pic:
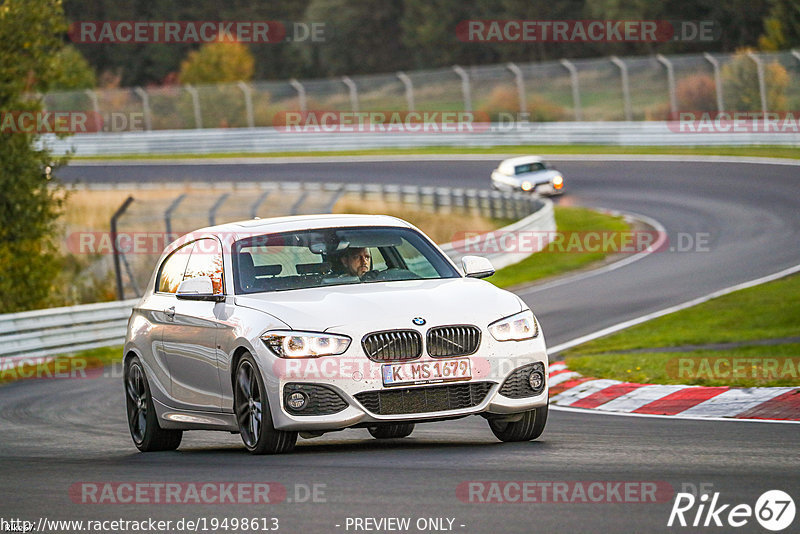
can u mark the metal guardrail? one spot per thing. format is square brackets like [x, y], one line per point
[37, 336]
[43, 333]
[271, 140]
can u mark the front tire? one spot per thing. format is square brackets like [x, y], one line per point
[528, 428]
[253, 414]
[147, 435]
[400, 430]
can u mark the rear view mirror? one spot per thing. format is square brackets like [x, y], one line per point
[199, 288]
[476, 267]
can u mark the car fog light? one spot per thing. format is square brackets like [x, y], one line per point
[297, 400]
[536, 380]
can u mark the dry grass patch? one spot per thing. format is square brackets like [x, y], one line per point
[442, 228]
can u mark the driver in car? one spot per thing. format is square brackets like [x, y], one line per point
[357, 261]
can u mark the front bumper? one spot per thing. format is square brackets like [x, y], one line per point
[359, 382]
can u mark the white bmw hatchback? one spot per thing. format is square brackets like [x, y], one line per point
[305, 325]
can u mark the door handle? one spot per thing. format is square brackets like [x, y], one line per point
[170, 312]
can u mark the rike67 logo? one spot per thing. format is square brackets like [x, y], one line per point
[774, 510]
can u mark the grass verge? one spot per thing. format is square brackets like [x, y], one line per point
[757, 313]
[551, 261]
[767, 151]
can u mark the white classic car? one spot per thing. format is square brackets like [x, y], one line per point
[529, 174]
[311, 324]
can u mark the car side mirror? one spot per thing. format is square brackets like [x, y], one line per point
[476, 267]
[199, 288]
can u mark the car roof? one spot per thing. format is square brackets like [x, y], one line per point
[520, 160]
[240, 229]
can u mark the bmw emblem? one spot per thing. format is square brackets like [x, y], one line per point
[419, 321]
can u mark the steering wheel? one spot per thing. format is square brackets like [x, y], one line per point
[371, 276]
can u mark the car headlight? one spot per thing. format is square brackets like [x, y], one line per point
[526, 186]
[519, 326]
[305, 344]
[558, 182]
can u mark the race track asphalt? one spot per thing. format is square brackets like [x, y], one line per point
[56, 433]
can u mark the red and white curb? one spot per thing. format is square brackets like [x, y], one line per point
[570, 389]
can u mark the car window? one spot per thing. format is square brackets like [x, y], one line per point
[171, 273]
[206, 260]
[529, 167]
[313, 258]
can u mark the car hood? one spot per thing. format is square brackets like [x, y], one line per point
[375, 306]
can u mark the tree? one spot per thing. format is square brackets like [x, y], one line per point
[72, 70]
[30, 41]
[782, 26]
[740, 80]
[217, 62]
[361, 36]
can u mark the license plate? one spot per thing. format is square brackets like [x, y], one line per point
[398, 374]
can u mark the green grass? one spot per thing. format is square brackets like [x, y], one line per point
[748, 151]
[768, 311]
[698, 367]
[552, 262]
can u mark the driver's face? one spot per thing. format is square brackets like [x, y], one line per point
[357, 261]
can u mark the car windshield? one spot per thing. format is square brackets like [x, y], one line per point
[529, 167]
[334, 256]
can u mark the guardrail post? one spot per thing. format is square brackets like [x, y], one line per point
[248, 103]
[576, 90]
[351, 86]
[198, 115]
[168, 215]
[98, 121]
[626, 90]
[141, 93]
[520, 81]
[409, 89]
[465, 87]
[337, 194]
[762, 86]
[299, 203]
[437, 201]
[117, 267]
[452, 200]
[673, 98]
[301, 94]
[212, 213]
[257, 204]
[717, 80]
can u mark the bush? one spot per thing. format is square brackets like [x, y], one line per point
[697, 93]
[504, 99]
[216, 63]
[740, 82]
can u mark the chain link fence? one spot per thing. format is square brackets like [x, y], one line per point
[643, 88]
[142, 228]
